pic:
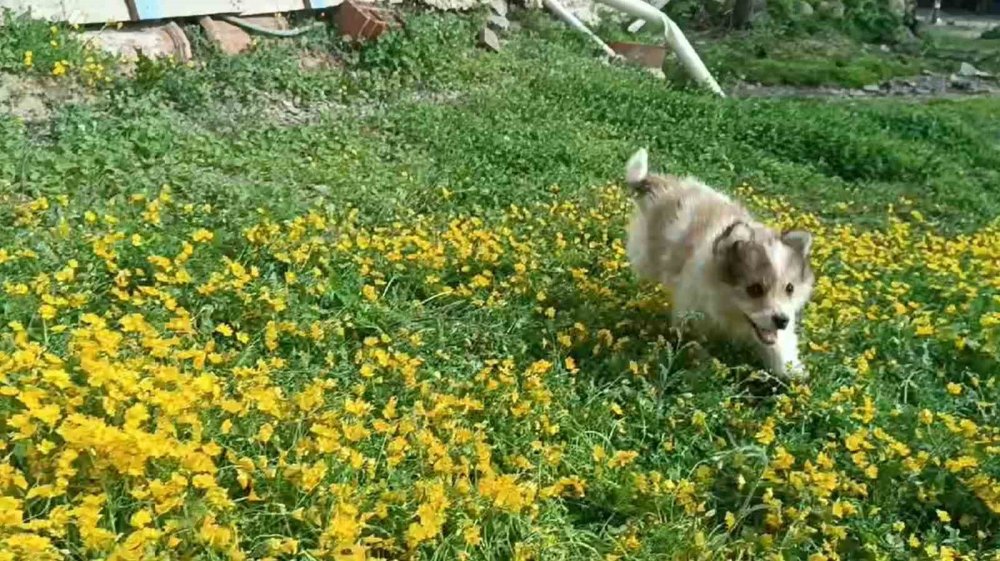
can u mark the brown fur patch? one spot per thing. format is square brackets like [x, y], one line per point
[746, 263]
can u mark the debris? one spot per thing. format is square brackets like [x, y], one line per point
[153, 41]
[499, 7]
[362, 22]
[636, 25]
[489, 40]
[271, 27]
[555, 7]
[674, 38]
[276, 22]
[647, 56]
[970, 71]
[500, 23]
[230, 39]
[961, 82]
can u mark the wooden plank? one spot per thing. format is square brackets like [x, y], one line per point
[162, 9]
[105, 11]
[252, 7]
[321, 4]
[72, 11]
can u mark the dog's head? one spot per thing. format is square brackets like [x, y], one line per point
[765, 275]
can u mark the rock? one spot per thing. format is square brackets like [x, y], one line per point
[884, 48]
[833, 9]
[804, 9]
[500, 23]
[153, 41]
[657, 73]
[488, 39]
[499, 7]
[970, 71]
[898, 8]
[871, 88]
[32, 99]
[961, 83]
[585, 10]
[317, 60]
[227, 37]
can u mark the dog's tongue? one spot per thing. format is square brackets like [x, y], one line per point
[767, 336]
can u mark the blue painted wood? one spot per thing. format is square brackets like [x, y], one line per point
[151, 9]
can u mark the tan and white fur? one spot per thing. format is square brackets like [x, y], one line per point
[739, 278]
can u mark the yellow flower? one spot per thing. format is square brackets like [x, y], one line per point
[29, 59]
[954, 389]
[369, 292]
[60, 68]
[766, 433]
[472, 535]
[48, 312]
[943, 516]
[622, 458]
[202, 235]
[926, 417]
[265, 433]
[141, 518]
[599, 454]
[570, 365]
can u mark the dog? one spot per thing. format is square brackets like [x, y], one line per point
[740, 279]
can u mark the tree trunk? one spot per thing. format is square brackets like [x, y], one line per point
[742, 10]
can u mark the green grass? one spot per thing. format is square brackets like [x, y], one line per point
[386, 235]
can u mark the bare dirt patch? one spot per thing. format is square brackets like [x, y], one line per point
[33, 99]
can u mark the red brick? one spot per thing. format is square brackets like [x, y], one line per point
[649, 56]
[361, 22]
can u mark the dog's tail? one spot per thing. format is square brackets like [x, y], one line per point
[637, 171]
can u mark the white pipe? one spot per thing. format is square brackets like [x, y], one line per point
[578, 25]
[673, 36]
[636, 25]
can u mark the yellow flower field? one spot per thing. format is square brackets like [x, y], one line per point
[437, 387]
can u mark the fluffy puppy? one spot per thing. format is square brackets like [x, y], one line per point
[740, 279]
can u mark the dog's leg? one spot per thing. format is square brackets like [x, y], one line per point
[782, 358]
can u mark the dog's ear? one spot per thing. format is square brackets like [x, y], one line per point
[729, 239]
[799, 240]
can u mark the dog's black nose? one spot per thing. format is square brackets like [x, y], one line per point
[780, 320]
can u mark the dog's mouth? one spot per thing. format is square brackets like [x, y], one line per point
[766, 336]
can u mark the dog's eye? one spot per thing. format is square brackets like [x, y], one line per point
[789, 289]
[755, 290]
